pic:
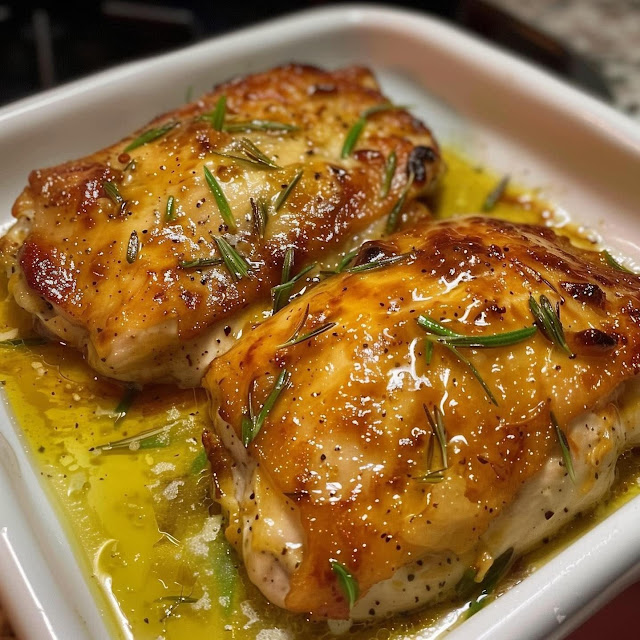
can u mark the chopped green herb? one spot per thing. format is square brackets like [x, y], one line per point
[125, 404]
[487, 342]
[281, 293]
[287, 191]
[394, 215]
[432, 477]
[219, 113]
[346, 580]
[612, 262]
[221, 200]
[150, 439]
[496, 193]
[199, 463]
[251, 426]
[259, 125]
[356, 130]
[179, 599]
[170, 213]
[22, 342]
[548, 321]
[389, 172]
[260, 214]
[238, 267]
[436, 422]
[133, 247]
[188, 94]
[296, 338]
[198, 263]
[428, 350]
[467, 586]
[149, 136]
[255, 154]
[342, 265]
[564, 446]
[453, 341]
[352, 137]
[378, 264]
[111, 189]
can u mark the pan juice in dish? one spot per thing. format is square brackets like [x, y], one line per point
[128, 473]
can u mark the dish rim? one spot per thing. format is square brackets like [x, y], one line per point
[543, 597]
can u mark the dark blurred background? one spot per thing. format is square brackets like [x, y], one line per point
[44, 42]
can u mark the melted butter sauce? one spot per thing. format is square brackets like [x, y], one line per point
[146, 531]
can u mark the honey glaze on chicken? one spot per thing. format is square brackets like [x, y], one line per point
[121, 253]
[351, 431]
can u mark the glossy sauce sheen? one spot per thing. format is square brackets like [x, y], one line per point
[347, 442]
[140, 520]
[75, 254]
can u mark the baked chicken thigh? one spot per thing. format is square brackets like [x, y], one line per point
[150, 255]
[456, 395]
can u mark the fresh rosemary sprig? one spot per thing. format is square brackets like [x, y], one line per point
[496, 193]
[548, 320]
[378, 264]
[133, 247]
[22, 342]
[346, 580]
[287, 191]
[149, 136]
[238, 267]
[112, 191]
[354, 133]
[260, 214]
[281, 293]
[612, 262]
[564, 446]
[296, 338]
[252, 424]
[151, 439]
[221, 200]
[170, 213]
[198, 263]
[453, 341]
[394, 215]
[259, 125]
[389, 172]
[126, 401]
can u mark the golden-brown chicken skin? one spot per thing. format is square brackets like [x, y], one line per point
[105, 269]
[345, 465]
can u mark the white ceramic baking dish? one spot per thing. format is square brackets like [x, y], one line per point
[499, 110]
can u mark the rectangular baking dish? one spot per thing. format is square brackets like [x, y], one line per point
[498, 110]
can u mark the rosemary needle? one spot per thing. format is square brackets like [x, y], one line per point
[564, 446]
[170, 213]
[548, 320]
[221, 200]
[238, 267]
[394, 214]
[252, 425]
[112, 191]
[287, 191]
[346, 580]
[496, 193]
[149, 136]
[389, 172]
